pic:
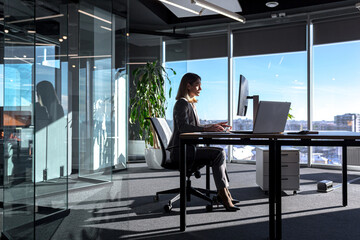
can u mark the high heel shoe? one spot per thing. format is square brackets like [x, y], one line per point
[225, 200]
[233, 200]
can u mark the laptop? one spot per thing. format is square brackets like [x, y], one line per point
[270, 118]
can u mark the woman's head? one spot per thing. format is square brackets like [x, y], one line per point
[190, 86]
[48, 98]
[46, 93]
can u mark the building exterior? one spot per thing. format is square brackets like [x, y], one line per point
[348, 121]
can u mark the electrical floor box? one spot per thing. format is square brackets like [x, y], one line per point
[290, 168]
[325, 186]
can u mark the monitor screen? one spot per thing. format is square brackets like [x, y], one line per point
[243, 94]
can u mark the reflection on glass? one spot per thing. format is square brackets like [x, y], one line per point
[96, 86]
[18, 137]
[35, 126]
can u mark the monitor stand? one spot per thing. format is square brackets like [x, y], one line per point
[255, 99]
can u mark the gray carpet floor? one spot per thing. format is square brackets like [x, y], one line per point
[124, 209]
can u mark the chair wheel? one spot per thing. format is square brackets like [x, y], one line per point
[167, 208]
[209, 208]
[156, 198]
[295, 192]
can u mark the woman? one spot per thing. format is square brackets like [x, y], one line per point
[47, 98]
[186, 120]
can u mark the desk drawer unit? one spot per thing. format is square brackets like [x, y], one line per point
[290, 176]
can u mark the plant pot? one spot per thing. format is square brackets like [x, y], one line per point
[153, 158]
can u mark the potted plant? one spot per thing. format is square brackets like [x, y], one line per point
[149, 101]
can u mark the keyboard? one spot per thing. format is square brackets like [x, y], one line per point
[241, 131]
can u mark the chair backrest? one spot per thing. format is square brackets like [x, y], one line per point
[164, 133]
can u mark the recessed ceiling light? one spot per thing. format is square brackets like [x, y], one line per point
[272, 4]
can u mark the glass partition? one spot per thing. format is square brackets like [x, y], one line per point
[18, 120]
[96, 88]
[34, 117]
[51, 113]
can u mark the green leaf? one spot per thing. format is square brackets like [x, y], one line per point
[150, 99]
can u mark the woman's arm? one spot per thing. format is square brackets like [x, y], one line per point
[182, 118]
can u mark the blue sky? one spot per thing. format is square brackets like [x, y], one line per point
[280, 77]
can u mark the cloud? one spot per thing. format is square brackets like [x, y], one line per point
[297, 82]
[298, 87]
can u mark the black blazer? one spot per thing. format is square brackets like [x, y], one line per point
[184, 121]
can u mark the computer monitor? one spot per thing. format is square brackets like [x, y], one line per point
[243, 96]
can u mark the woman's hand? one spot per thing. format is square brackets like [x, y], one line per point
[225, 126]
[214, 128]
[218, 127]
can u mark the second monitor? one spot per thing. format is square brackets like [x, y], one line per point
[243, 98]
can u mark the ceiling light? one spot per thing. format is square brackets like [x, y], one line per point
[179, 6]
[220, 10]
[65, 37]
[38, 18]
[6, 31]
[272, 4]
[93, 16]
[97, 56]
[106, 28]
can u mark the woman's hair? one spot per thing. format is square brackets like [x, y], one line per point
[183, 91]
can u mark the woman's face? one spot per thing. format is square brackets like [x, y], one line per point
[194, 89]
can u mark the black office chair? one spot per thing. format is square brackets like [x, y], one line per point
[163, 132]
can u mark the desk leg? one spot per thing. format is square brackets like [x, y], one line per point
[208, 180]
[272, 190]
[182, 186]
[278, 191]
[344, 175]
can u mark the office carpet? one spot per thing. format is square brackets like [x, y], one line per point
[125, 209]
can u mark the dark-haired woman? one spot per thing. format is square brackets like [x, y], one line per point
[186, 120]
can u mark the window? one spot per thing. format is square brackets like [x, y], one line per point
[274, 77]
[336, 84]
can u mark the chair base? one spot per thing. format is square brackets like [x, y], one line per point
[198, 192]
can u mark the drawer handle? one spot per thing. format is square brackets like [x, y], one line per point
[284, 179]
[284, 165]
[284, 154]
